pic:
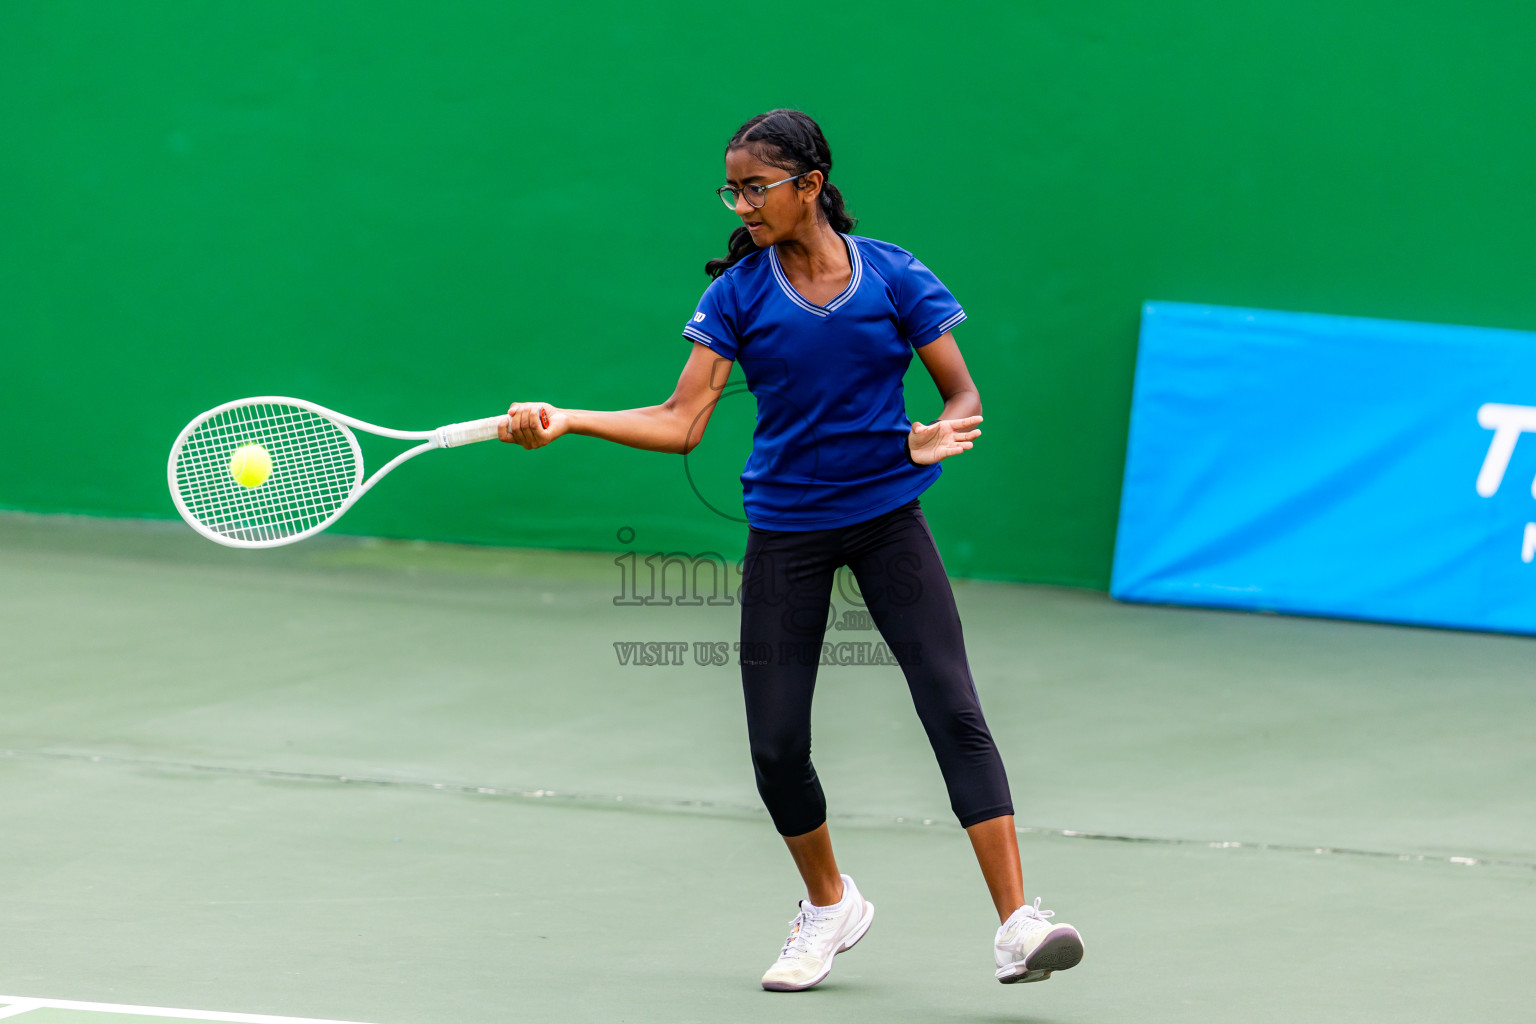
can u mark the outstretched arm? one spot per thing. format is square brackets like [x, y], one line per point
[954, 431]
[676, 425]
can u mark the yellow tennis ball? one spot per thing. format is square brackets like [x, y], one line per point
[250, 465]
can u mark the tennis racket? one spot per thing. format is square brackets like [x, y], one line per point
[313, 467]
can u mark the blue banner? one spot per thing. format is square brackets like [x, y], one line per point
[1329, 465]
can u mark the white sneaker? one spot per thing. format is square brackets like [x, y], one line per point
[1029, 947]
[817, 934]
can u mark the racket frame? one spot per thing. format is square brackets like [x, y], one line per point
[451, 435]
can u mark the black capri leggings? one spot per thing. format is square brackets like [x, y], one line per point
[786, 594]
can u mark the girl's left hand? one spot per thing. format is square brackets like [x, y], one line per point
[941, 439]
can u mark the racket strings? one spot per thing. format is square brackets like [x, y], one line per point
[314, 468]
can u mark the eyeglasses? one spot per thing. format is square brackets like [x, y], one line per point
[756, 195]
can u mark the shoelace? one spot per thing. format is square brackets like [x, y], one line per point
[1035, 911]
[802, 927]
[1031, 911]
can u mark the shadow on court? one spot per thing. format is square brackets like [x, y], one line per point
[408, 783]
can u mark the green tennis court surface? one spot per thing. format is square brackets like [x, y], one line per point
[400, 783]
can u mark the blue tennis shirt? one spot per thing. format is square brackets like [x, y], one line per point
[830, 445]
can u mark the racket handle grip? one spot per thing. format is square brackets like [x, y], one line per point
[455, 434]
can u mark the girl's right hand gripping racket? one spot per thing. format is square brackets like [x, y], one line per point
[262, 472]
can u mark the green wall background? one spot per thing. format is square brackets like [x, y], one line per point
[417, 212]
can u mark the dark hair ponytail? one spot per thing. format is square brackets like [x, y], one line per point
[792, 140]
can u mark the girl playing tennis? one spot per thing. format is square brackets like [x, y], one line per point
[823, 324]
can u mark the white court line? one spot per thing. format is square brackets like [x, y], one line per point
[24, 1004]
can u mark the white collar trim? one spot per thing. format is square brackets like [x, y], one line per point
[856, 273]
